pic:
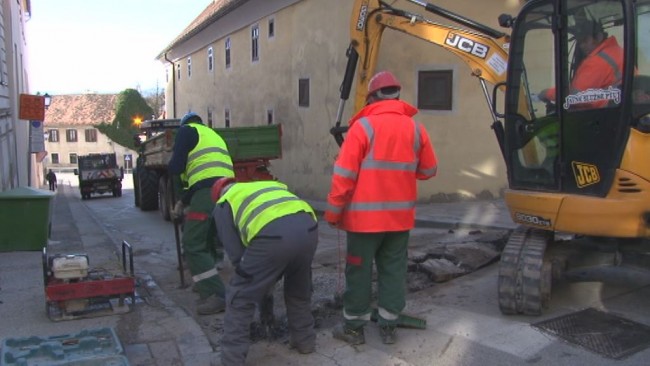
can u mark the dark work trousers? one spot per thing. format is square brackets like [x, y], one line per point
[283, 248]
[199, 242]
[390, 255]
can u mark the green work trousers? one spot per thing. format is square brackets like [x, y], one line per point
[200, 245]
[388, 251]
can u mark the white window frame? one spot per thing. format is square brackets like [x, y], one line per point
[255, 43]
[210, 59]
[271, 27]
[227, 55]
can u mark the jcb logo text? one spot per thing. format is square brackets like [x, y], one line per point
[585, 174]
[467, 45]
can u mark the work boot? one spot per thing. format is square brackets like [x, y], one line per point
[210, 305]
[304, 349]
[388, 334]
[351, 336]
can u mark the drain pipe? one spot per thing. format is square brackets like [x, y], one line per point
[173, 84]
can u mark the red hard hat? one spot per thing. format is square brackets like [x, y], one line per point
[382, 79]
[217, 187]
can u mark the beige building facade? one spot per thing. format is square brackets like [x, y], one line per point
[70, 131]
[249, 62]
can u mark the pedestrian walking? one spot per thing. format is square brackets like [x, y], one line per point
[372, 197]
[268, 234]
[200, 157]
[51, 180]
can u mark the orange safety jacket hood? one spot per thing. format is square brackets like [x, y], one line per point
[374, 182]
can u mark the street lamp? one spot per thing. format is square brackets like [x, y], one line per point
[48, 100]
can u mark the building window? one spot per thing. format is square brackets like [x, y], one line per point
[227, 117]
[435, 90]
[255, 35]
[178, 71]
[303, 92]
[210, 60]
[189, 67]
[91, 135]
[53, 136]
[55, 158]
[73, 158]
[228, 53]
[71, 135]
[269, 116]
[271, 27]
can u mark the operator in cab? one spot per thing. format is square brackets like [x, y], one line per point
[597, 79]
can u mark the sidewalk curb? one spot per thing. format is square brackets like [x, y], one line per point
[190, 339]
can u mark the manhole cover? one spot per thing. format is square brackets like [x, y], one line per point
[599, 332]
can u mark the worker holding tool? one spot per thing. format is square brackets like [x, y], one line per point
[200, 157]
[372, 198]
[268, 233]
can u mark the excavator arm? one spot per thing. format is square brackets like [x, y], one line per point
[483, 49]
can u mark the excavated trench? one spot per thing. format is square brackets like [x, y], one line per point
[429, 263]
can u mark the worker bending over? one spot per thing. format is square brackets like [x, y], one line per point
[268, 233]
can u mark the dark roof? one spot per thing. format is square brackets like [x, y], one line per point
[81, 109]
[217, 9]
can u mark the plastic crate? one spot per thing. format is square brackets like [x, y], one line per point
[94, 347]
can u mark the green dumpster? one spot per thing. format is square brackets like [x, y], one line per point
[24, 219]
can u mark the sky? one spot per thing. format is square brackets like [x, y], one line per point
[102, 46]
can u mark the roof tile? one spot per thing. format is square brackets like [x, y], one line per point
[80, 109]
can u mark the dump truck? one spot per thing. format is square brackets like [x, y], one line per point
[251, 148]
[99, 174]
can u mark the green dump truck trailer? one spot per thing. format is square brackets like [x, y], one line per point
[251, 149]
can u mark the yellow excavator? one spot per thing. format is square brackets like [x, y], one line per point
[577, 159]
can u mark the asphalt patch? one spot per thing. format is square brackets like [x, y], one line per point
[600, 332]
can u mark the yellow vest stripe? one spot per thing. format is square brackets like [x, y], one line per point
[209, 158]
[255, 204]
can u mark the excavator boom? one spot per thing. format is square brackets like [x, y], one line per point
[483, 49]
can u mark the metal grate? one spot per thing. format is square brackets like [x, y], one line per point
[606, 334]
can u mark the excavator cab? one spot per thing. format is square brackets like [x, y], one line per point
[577, 139]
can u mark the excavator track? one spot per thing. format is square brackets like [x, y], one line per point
[524, 277]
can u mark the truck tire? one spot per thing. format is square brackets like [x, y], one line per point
[136, 189]
[164, 198]
[148, 185]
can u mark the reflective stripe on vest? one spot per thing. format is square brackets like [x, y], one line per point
[250, 202]
[209, 158]
[369, 162]
[612, 63]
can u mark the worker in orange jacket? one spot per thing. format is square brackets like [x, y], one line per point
[372, 198]
[600, 70]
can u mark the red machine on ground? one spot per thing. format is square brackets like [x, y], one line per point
[73, 290]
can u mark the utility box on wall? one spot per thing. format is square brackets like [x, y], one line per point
[24, 219]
